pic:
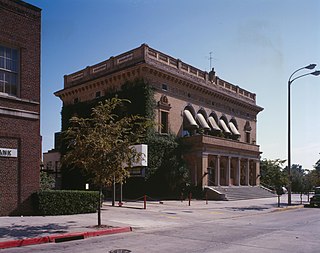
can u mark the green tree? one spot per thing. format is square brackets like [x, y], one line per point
[298, 183]
[47, 182]
[313, 177]
[272, 174]
[167, 171]
[102, 144]
[141, 96]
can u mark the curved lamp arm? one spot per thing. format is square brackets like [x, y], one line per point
[315, 73]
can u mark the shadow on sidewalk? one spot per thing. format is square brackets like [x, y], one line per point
[250, 208]
[20, 232]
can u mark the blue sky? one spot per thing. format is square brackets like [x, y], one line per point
[255, 44]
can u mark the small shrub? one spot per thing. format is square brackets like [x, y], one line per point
[47, 181]
[62, 202]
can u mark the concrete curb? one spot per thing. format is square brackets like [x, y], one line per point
[287, 208]
[62, 237]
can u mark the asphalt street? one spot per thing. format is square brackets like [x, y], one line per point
[234, 226]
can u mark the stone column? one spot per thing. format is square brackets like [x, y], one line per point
[217, 172]
[238, 172]
[204, 170]
[257, 172]
[248, 172]
[228, 171]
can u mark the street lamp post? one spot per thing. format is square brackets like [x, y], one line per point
[290, 81]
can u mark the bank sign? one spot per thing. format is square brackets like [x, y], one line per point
[7, 152]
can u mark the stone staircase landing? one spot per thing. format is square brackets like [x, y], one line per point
[237, 192]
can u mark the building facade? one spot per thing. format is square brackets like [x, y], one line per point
[51, 162]
[20, 142]
[218, 119]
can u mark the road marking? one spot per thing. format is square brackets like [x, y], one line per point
[216, 212]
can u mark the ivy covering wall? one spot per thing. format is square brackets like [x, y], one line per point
[166, 174]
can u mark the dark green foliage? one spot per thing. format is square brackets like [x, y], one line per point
[138, 92]
[167, 172]
[298, 183]
[141, 96]
[313, 178]
[47, 181]
[273, 175]
[302, 180]
[66, 202]
[142, 103]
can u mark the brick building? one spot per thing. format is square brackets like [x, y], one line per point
[20, 142]
[218, 118]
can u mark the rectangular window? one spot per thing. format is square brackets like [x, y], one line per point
[164, 122]
[8, 70]
[247, 137]
[98, 94]
[164, 87]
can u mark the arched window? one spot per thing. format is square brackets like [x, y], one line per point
[214, 123]
[202, 120]
[247, 130]
[189, 122]
[223, 124]
[233, 125]
[164, 108]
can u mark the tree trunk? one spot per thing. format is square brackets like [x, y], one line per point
[99, 206]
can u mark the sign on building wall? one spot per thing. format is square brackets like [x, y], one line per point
[143, 150]
[7, 152]
[139, 168]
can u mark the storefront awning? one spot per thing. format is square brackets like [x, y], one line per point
[189, 121]
[233, 128]
[213, 124]
[224, 126]
[203, 123]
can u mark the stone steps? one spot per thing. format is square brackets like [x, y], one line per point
[243, 192]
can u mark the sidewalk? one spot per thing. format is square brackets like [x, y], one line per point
[21, 231]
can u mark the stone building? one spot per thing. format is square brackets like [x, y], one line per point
[20, 142]
[218, 118]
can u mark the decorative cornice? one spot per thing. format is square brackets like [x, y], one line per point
[231, 98]
[162, 66]
[163, 104]
[104, 81]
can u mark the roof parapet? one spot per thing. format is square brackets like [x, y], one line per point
[144, 53]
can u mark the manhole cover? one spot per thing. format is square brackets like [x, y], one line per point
[120, 251]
